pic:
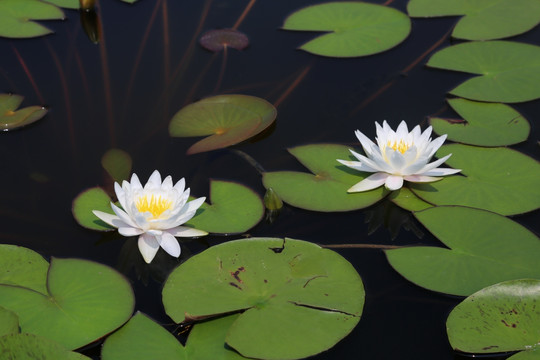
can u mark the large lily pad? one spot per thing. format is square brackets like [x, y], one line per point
[509, 71]
[406, 199]
[234, 209]
[484, 124]
[503, 317]
[92, 199]
[497, 179]
[297, 298]
[325, 189]
[85, 301]
[353, 28]
[10, 118]
[483, 19]
[484, 248]
[228, 119]
[29, 346]
[23, 267]
[16, 18]
[9, 322]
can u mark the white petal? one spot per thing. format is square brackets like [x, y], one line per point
[435, 145]
[397, 160]
[441, 172]
[180, 185]
[410, 155]
[110, 219]
[170, 244]
[394, 182]
[123, 216]
[378, 165]
[433, 164]
[188, 211]
[135, 182]
[167, 183]
[402, 130]
[421, 178]
[416, 166]
[184, 231]
[154, 182]
[357, 165]
[148, 246]
[120, 194]
[129, 231]
[369, 183]
[367, 144]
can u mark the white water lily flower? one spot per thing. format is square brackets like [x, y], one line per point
[155, 212]
[398, 156]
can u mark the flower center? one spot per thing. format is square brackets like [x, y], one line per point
[153, 204]
[400, 146]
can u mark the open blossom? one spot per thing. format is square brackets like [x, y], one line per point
[155, 212]
[398, 156]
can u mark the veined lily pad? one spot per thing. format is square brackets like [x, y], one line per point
[496, 179]
[483, 19]
[142, 338]
[85, 301]
[485, 124]
[325, 189]
[16, 16]
[92, 199]
[503, 317]
[10, 118]
[484, 248]
[353, 28]
[235, 209]
[406, 199]
[9, 322]
[509, 71]
[217, 40]
[29, 346]
[297, 298]
[229, 119]
[23, 267]
[118, 164]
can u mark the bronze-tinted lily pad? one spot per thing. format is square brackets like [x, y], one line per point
[11, 119]
[217, 40]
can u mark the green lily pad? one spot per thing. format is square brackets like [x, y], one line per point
[325, 189]
[484, 248]
[10, 118]
[16, 18]
[509, 71]
[92, 199]
[353, 28]
[485, 124]
[496, 179]
[85, 301]
[9, 322]
[503, 317]
[406, 199]
[142, 338]
[297, 298]
[235, 209]
[75, 4]
[228, 119]
[483, 19]
[23, 267]
[118, 164]
[29, 346]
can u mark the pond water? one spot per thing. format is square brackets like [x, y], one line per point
[123, 92]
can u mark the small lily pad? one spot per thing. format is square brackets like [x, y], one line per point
[483, 19]
[325, 189]
[217, 40]
[10, 118]
[229, 119]
[297, 299]
[9, 322]
[508, 71]
[16, 18]
[484, 248]
[29, 346]
[23, 267]
[118, 164]
[484, 124]
[353, 28]
[496, 179]
[234, 209]
[85, 301]
[92, 199]
[500, 318]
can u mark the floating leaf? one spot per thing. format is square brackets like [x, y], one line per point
[118, 164]
[75, 4]
[485, 124]
[497, 179]
[16, 16]
[23, 267]
[217, 40]
[509, 71]
[9, 322]
[85, 301]
[484, 248]
[503, 317]
[483, 19]
[298, 299]
[353, 28]
[326, 188]
[229, 119]
[29, 346]
[406, 199]
[11, 119]
[235, 209]
[92, 199]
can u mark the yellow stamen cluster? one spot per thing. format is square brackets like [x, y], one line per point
[156, 205]
[400, 146]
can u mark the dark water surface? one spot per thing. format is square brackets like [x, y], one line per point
[47, 164]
